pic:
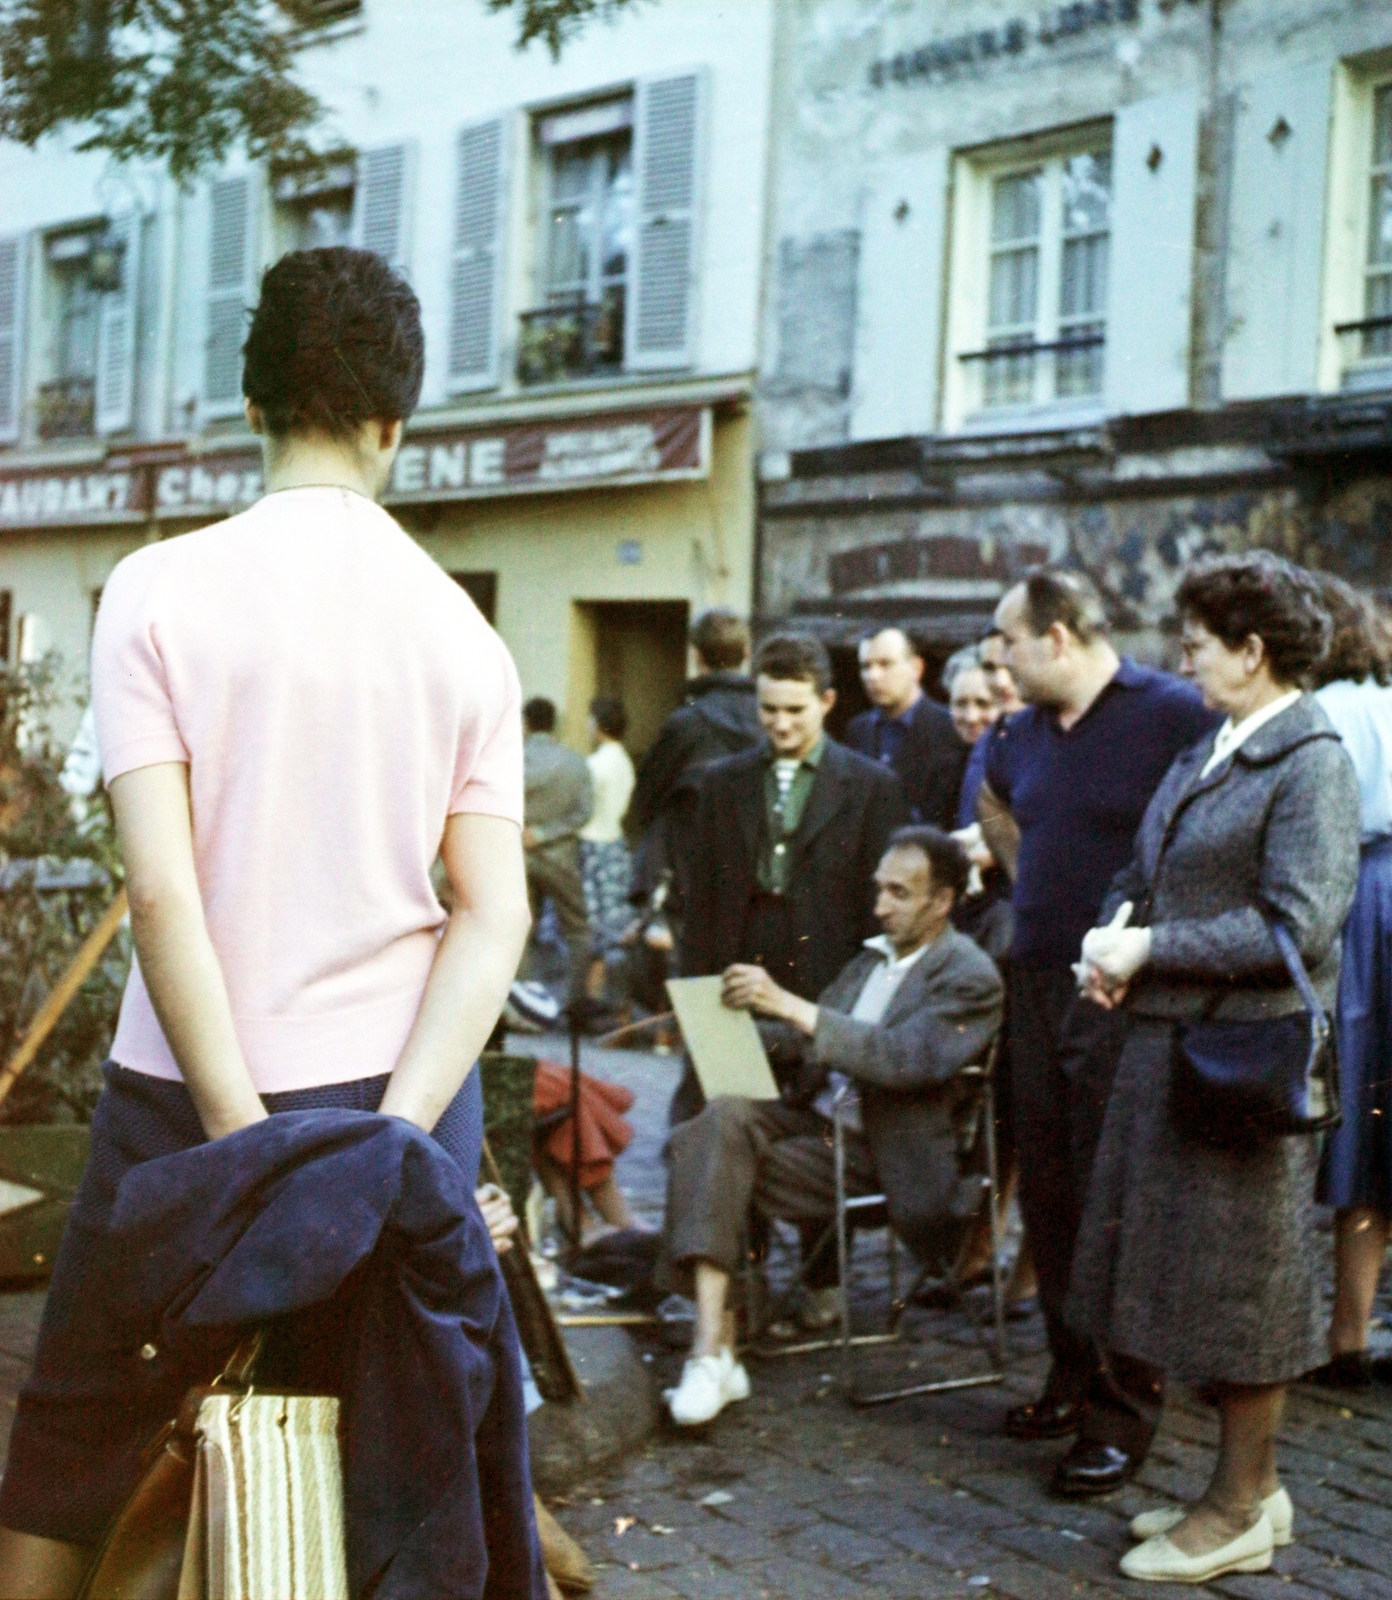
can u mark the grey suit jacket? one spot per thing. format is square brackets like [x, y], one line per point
[917, 1111]
[1274, 829]
[558, 790]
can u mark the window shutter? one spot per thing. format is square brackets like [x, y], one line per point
[476, 269]
[116, 334]
[894, 390]
[1276, 234]
[12, 300]
[666, 152]
[230, 271]
[1151, 271]
[381, 203]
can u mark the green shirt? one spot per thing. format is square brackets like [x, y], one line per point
[781, 819]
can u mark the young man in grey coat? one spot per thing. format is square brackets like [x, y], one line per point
[895, 1029]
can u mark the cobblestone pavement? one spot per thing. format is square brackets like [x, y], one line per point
[796, 1495]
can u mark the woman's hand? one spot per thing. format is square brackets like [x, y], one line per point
[1116, 953]
[498, 1214]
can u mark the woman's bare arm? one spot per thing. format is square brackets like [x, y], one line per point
[476, 961]
[177, 960]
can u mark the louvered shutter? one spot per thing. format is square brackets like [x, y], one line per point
[230, 264]
[381, 203]
[12, 253]
[475, 278]
[666, 161]
[116, 335]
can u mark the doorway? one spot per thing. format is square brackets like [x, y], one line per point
[634, 650]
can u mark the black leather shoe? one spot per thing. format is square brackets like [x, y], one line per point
[1090, 1468]
[1048, 1417]
[1350, 1369]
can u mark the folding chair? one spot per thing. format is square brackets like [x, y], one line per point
[873, 1211]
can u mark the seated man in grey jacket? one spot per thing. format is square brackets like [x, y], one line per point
[896, 1026]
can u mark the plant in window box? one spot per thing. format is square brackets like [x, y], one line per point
[104, 262]
[550, 344]
[65, 408]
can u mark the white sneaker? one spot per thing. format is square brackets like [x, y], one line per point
[708, 1384]
[1277, 1506]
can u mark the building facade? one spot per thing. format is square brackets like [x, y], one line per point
[1106, 282]
[585, 237]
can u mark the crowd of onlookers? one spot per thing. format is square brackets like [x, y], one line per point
[1106, 867]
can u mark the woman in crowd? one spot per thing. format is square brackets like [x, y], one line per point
[1351, 684]
[1196, 1257]
[605, 865]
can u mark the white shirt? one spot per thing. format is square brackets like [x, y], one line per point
[1362, 717]
[611, 772]
[1230, 737]
[871, 1004]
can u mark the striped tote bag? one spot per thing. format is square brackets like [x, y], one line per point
[267, 1516]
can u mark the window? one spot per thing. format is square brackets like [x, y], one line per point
[587, 248]
[1030, 281]
[77, 267]
[314, 210]
[1377, 272]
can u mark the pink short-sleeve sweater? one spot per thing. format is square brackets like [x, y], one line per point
[336, 697]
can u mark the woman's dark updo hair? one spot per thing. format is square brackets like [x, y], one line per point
[1235, 597]
[1361, 647]
[335, 342]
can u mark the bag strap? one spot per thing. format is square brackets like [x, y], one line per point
[1296, 967]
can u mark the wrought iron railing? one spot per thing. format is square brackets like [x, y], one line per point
[1366, 351]
[66, 408]
[1023, 372]
[570, 340]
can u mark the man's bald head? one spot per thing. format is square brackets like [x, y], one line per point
[891, 669]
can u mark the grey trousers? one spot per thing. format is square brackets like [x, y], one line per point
[737, 1153]
[553, 873]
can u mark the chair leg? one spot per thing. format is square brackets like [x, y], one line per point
[993, 1200]
[842, 1253]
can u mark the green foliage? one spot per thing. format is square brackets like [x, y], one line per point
[42, 928]
[555, 21]
[184, 82]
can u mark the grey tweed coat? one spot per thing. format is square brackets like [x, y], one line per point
[1198, 1259]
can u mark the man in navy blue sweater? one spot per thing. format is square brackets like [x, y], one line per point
[1076, 769]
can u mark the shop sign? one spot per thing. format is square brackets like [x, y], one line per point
[82, 494]
[1009, 39]
[618, 448]
[633, 447]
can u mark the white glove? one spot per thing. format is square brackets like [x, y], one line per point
[1117, 952]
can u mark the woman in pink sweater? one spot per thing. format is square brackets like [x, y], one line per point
[298, 711]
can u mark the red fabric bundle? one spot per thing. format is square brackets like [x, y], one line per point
[603, 1131]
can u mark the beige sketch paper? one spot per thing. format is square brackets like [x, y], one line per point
[724, 1044]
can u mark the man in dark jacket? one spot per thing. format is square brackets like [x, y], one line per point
[891, 1034]
[717, 719]
[908, 731]
[786, 841]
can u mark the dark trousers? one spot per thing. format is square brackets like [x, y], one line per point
[553, 873]
[1063, 1057]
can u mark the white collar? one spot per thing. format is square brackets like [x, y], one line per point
[1230, 737]
[881, 945]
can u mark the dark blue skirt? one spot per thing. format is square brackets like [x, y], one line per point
[1357, 1167]
[75, 1452]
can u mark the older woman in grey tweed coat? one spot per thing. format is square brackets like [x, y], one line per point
[1197, 1258]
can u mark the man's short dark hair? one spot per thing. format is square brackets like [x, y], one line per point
[947, 861]
[794, 658]
[721, 639]
[539, 715]
[609, 715]
[1068, 597]
[335, 342]
[911, 644]
[1259, 593]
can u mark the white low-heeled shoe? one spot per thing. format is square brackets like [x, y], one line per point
[1277, 1506]
[1158, 1560]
